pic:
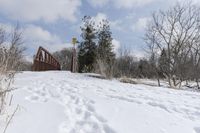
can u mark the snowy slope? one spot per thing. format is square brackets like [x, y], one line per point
[62, 102]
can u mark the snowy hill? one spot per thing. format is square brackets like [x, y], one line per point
[62, 102]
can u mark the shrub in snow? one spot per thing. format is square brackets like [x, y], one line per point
[11, 53]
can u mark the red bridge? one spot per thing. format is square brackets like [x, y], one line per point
[44, 61]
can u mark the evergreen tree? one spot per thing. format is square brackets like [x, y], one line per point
[87, 48]
[105, 46]
[105, 52]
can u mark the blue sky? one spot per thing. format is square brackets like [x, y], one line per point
[52, 23]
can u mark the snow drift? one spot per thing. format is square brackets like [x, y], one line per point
[62, 102]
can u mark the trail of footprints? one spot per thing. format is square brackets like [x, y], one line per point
[84, 118]
[81, 116]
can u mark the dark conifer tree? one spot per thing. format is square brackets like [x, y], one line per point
[105, 47]
[87, 47]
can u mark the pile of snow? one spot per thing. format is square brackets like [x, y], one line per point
[62, 102]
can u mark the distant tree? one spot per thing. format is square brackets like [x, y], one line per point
[125, 64]
[143, 68]
[25, 65]
[105, 54]
[64, 58]
[87, 47]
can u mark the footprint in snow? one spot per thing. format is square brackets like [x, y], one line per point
[197, 129]
[36, 98]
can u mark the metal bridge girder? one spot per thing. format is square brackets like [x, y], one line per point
[44, 61]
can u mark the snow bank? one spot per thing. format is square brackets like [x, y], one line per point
[62, 102]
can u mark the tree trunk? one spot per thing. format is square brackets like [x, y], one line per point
[186, 82]
[158, 82]
[197, 81]
[169, 80]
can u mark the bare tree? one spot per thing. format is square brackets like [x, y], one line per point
[11, 53]
[174, 30]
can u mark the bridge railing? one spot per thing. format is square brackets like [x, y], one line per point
[44, 61]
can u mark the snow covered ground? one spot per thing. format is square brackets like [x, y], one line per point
[62, 102]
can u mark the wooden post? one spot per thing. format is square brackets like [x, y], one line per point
[73, 62]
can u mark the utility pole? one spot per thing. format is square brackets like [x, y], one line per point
[73, 61]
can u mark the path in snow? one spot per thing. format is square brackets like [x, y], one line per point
[81, 116]
[100, 106]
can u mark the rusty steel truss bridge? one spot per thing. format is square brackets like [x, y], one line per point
[44, 61]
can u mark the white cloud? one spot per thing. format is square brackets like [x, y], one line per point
[116, 25]
[38, 36]
[116, 45]
[131, 3]
[96, 3]
[99, 17]
[34, 10]
[139, 54]
[120, 3]
[140, 24]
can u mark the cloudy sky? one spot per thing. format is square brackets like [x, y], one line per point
[52, 23]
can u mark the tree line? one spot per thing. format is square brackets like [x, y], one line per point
[173, 46]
